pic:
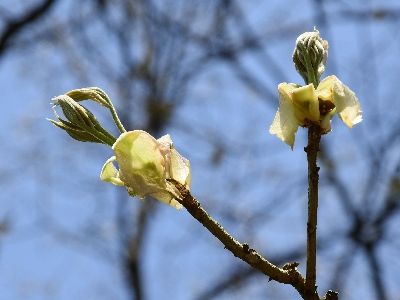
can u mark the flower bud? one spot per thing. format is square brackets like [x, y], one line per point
[91, 93]
[82, 125]
[310, 56]
[74, 112]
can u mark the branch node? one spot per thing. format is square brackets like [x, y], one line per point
[291, 265]
[331, 295]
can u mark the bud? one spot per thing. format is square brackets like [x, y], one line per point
[82, 125]
[75, 132]
[75, 113]
[91, 93]
[309, 56]
[145, 165]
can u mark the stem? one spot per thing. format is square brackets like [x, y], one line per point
[104, 98]
[116, 119]
[288, 276]
[312, 149]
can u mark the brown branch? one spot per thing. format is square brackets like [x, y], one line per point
[290, 276]
[312, 149]
[331, 295]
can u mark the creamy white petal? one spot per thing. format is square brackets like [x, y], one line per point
[167, 198]
[347, 104]
[142, 162]
[326, 121]
[180, 169]
[110, 173]
[324, 89]
[176, 204]
[285, 123]
[306, 101]
[166, 140]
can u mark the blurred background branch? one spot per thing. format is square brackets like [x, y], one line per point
[207, 73]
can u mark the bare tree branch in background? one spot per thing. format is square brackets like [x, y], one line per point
[151, 55]
[14, 25]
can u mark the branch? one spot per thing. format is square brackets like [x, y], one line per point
[287, 276]
[16, 25]
[312, 149]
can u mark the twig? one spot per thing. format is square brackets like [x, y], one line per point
[290, 276]
[312, 149]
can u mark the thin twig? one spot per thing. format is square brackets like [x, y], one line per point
[312, 149]
[291, 276]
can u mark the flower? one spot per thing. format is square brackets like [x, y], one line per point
[145, 165]
[304, 105]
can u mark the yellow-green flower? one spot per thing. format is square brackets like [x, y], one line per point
[304, 105]
[145, 164]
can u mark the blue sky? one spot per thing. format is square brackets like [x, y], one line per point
[62, 236]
